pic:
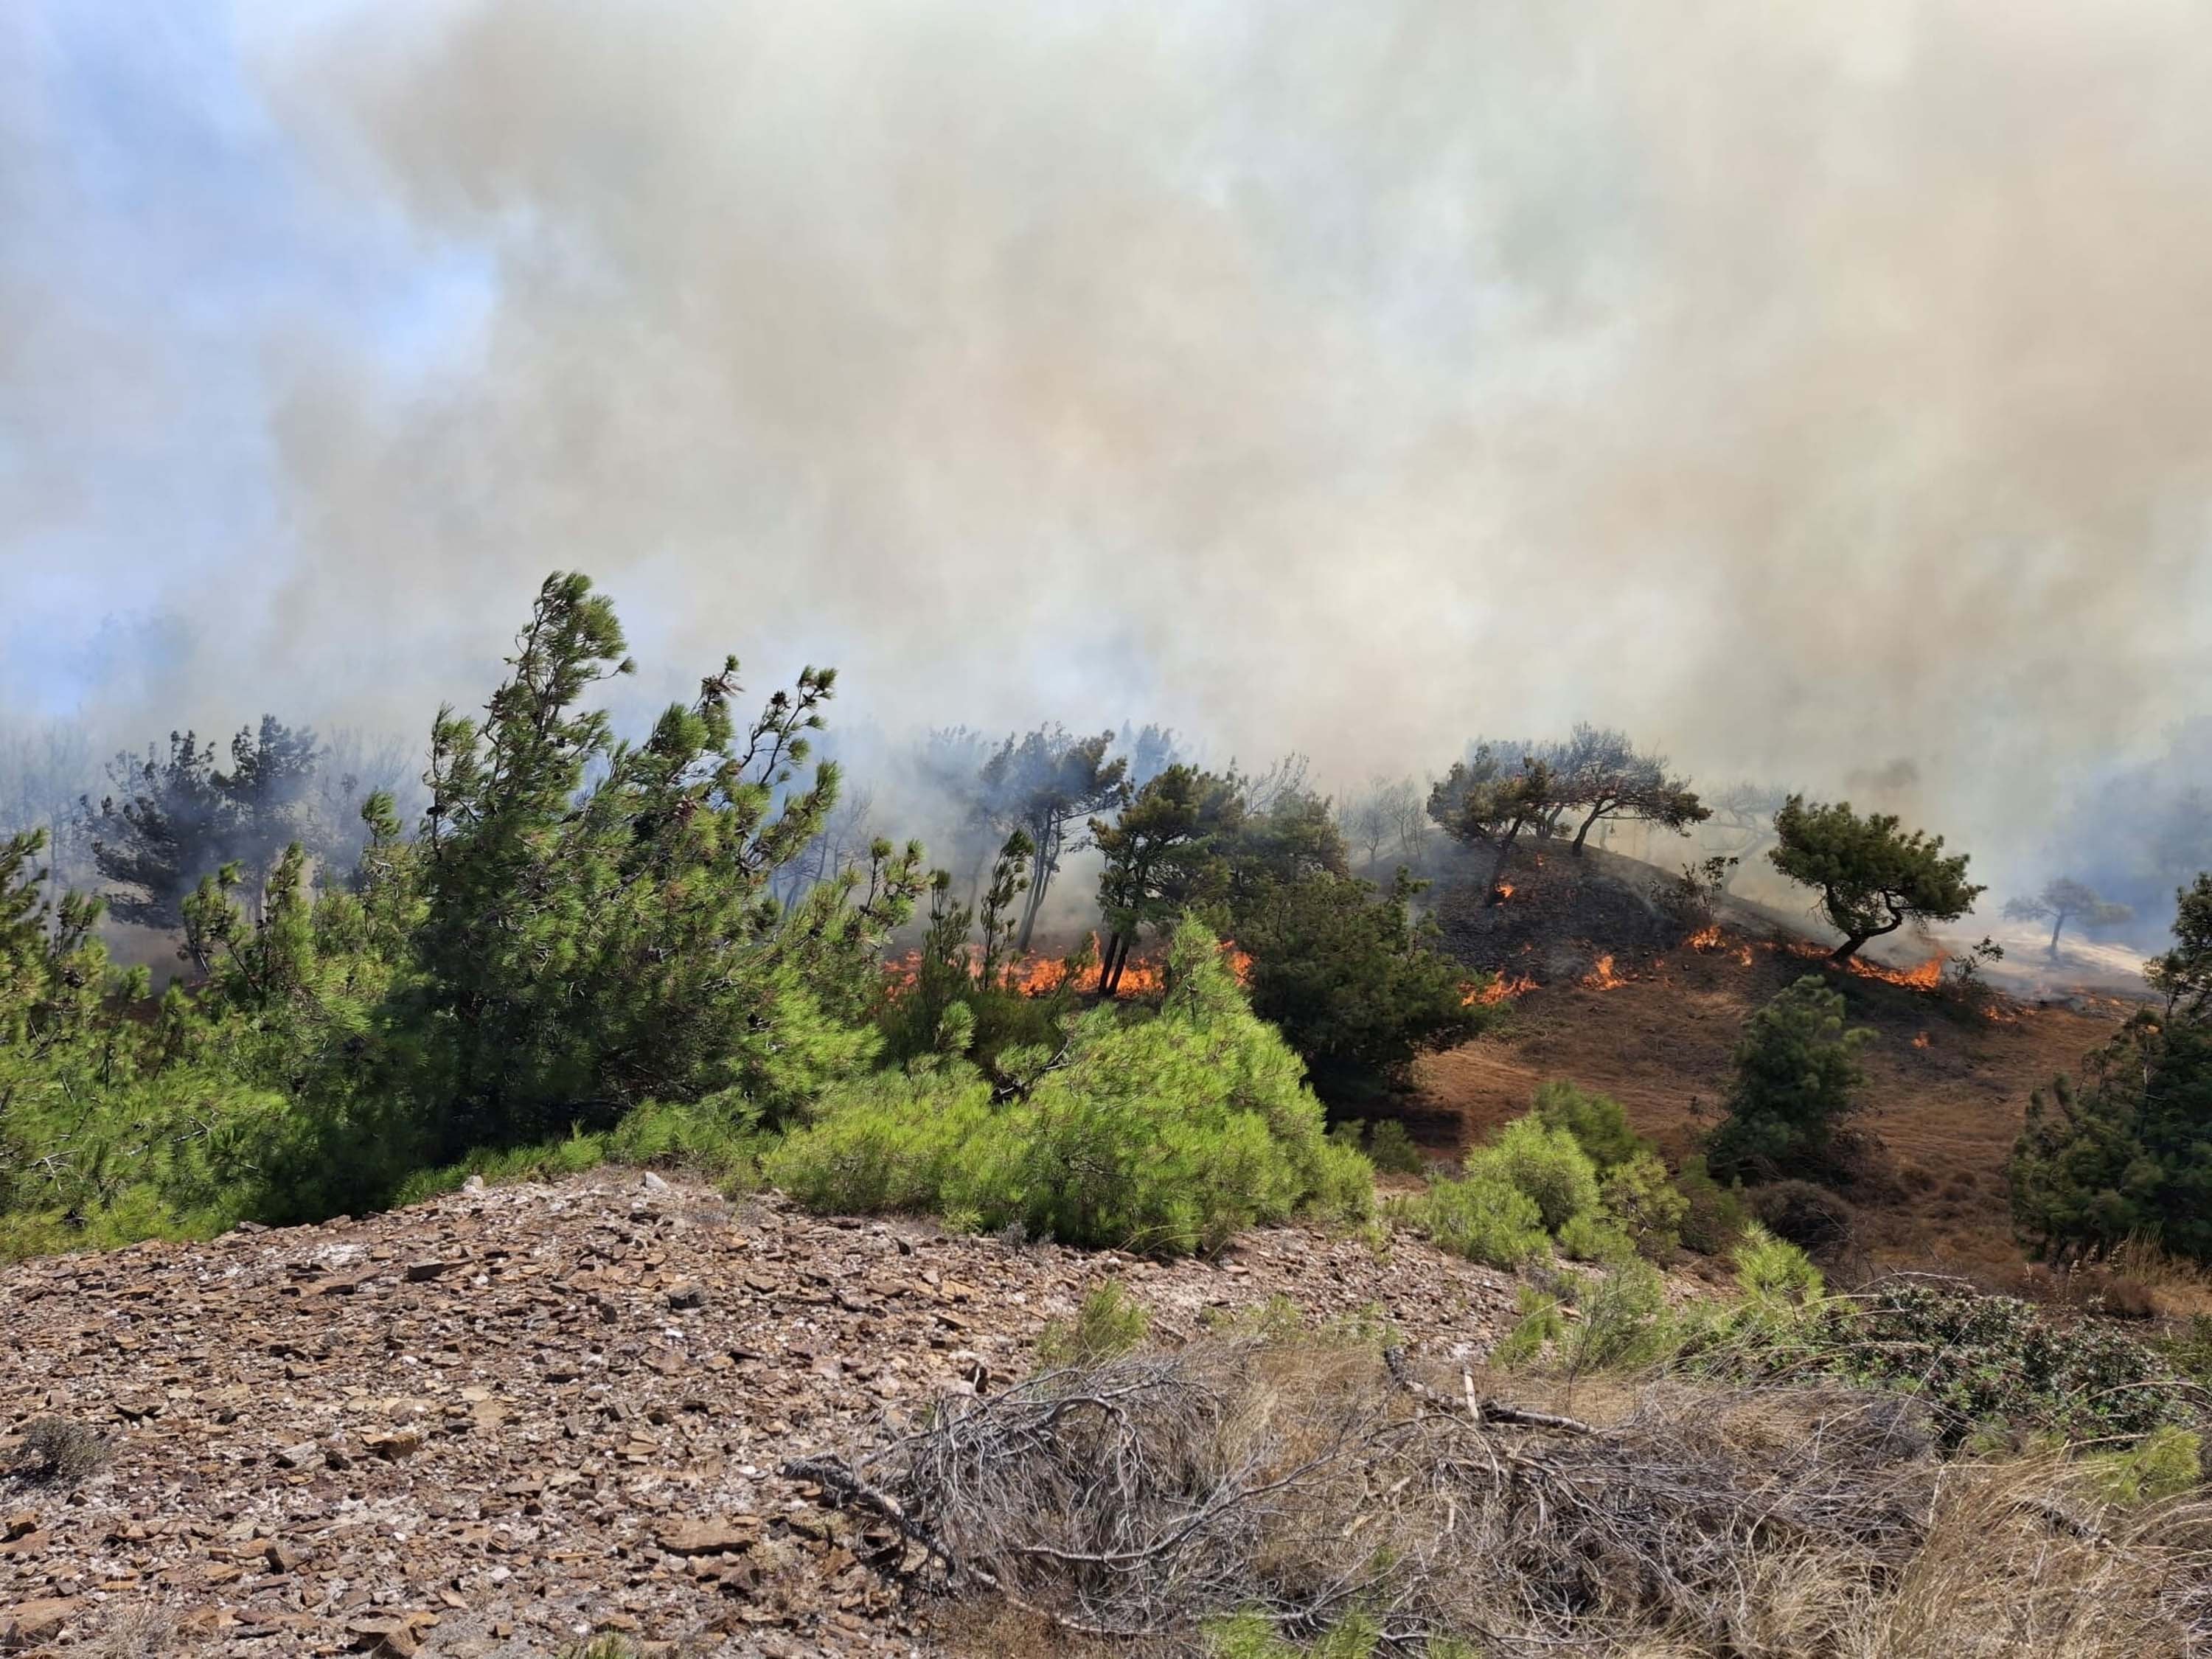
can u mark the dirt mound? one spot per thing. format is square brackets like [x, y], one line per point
[499, 1422]
[1562, 914]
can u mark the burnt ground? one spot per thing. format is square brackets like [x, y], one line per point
[502, 1421]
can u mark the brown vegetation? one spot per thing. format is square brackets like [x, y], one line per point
[1316, 1484]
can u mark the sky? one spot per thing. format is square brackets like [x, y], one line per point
[1806, 389]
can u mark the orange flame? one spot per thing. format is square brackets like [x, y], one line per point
[1497, 990]
[1038, 974]
[1920, 1042]
[1707, 937]
[1926, 977]
[1601, 976]
[1504, 891]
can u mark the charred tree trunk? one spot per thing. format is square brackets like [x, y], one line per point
[1504, 852]
[2057, 927]
[1582, 833]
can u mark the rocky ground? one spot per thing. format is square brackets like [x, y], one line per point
[504, 1421]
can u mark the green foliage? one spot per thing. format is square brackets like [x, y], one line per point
[1624, 1324]
[2126, 1154]
[1981, 1363]
[1598, 1122]
[1252, 1635]
[1166, 1134]
[2165, 1463]
[1390, 1148]
[1796, 1078]
[1535, 1182]
[1540, 1325]
[1591, 1237]
[1872, 877]
[1109, 1323]
[584, 927]
[1546, 1163]
[1645, 1205]
[2183, 975]
[597, 926]
[1351, 982]
[1772, 1273]
[1716, 1215]
[1483, 1217]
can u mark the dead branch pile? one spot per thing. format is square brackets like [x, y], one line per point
[1310, 1480]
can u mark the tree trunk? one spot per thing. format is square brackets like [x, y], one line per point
[1043, 864]
[1498, 869]
[1848, 948]
[1109, 973]
[2058, 923]
[1582, 833]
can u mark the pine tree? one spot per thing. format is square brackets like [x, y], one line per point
[1797, 1077]
[1872, 877]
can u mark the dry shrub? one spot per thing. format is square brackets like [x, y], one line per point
[1310, 1480]
[140, 1630]
[56, 1451]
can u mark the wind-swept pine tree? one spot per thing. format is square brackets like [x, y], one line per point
[588, 945]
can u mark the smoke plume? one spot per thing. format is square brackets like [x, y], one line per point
[1804, 388]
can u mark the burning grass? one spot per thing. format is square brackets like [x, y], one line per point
[1040, 974]
[1307, 1485]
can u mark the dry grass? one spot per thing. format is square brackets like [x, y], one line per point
[1128, 1503]
[56, 1451]
[1947, 1112]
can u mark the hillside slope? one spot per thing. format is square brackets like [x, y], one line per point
[1945, 1093]
[499, 1422]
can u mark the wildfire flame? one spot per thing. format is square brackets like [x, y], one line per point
[1503, 989]
[1504, 891]
[1921, 1040]
[1601, 976]
[1926, 977]
[1707, 937]
[1039, 975]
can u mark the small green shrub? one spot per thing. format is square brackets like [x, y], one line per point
[57, 1451]
[1109, 1324]
[1598, 1122]
[1716, 1215]
[1798, 1077]
[2165, 1463]
[1984, 1365]
[1594, 1238]
[1624, 1321]
[1483, 1217]
[1540, 1324]
[1252, 1636]
[1547, 1164]
[1771, 1270]
[1389, 1148]
[1168, 1134]
[1645, 1205]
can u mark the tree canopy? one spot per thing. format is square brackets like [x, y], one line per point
[2063, 900]
[1872, 877]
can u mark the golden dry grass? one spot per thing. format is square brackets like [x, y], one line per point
[1947, 1108]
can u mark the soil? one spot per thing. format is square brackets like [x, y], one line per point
[504, 1421]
